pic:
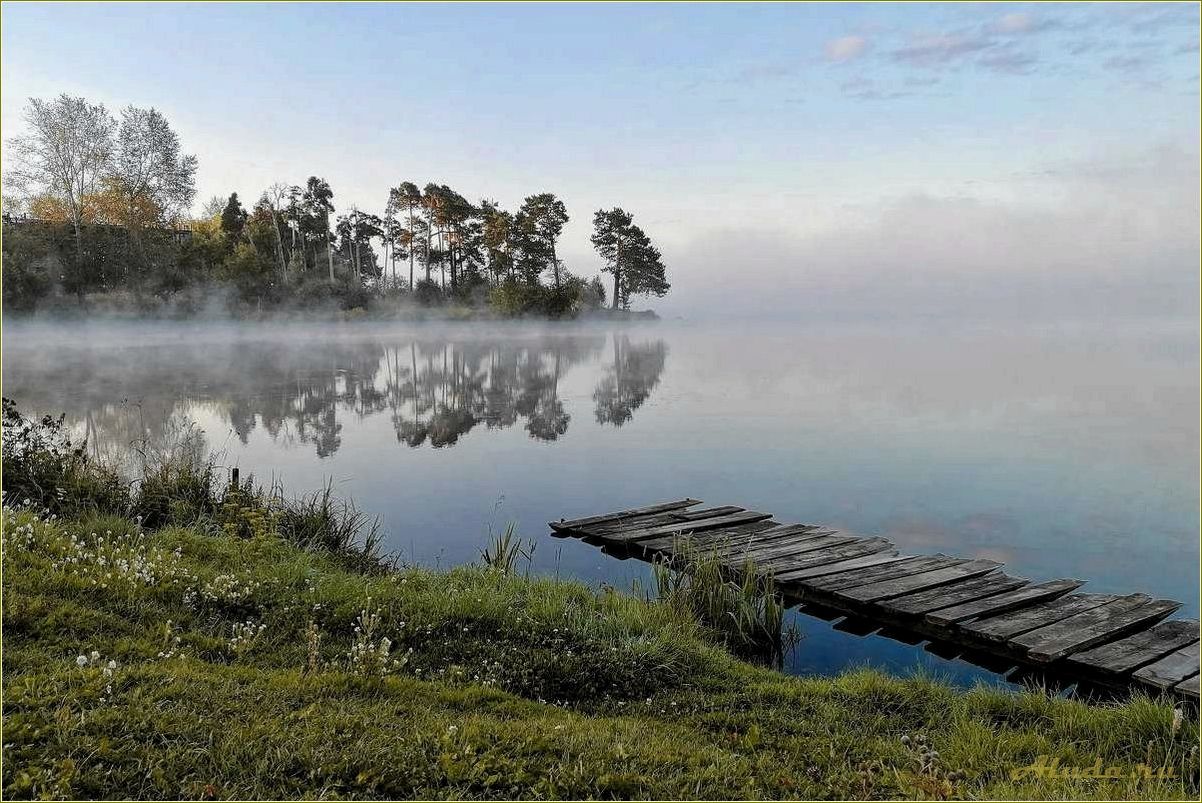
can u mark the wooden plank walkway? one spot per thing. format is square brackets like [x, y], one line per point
[960, 607]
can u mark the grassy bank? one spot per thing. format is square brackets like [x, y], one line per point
[229, 644]
[248, 667]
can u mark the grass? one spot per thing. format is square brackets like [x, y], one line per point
[742, 609]
[248, 666]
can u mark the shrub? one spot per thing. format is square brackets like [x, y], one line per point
[43, 466]
[178, 491]
[25, 264]
[427, 293]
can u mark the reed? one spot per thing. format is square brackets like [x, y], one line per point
[742, 608]
[505, 549]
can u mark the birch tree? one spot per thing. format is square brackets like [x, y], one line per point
[65, 153]
[147, 171]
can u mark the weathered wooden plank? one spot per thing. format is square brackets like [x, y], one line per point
[837, 554]
[1000, 603]
[655, 519]
[803, 575]
[605, 528]
[851, 579]
[916, 582]
[868, 573]
[707, 512]
[572, 524]
[1128, 654]
[701, 544]
[764, 542]
[1188, 687]
[798, 547]
[1094, 627]
[1008, 625]
[1171, 669]
[775, 537]
[685, 527]
[918, 603]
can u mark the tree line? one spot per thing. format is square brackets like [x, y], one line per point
[108, 201]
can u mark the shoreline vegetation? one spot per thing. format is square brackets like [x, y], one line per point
[178, 635]
[98, 214]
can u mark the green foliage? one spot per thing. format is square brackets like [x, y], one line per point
[26, 266]
[233, 219]
[248, 271]
[515, 299]
[636, 265]
[321, 522]
[44, 470]
[428, 293]
[177, 491]
[506, 548]
[743, 608]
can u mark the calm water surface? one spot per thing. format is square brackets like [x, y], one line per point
[1063, 451]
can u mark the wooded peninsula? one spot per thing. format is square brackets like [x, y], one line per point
[98, 217]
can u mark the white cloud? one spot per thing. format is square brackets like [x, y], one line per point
[846, 48]
[1015, 23]
[931, 50]
[1020, 23]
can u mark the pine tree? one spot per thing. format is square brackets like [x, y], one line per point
[635, 263]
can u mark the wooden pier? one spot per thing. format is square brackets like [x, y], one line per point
[962, 608]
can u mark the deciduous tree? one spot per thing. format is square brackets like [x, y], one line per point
[148, 171]
[65, 153]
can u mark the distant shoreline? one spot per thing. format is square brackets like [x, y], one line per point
[125, 307]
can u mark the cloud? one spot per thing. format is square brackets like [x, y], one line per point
[866, 89]
[765, 72]
[1108, 238]
[1009, 61]
[1020, 23]
[1157, 16]
[845, 48]
[937, 49]
[1125, 63]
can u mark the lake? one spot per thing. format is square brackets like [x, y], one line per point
[1064, 451]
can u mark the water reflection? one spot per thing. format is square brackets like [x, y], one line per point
[434, 390]
[629, 381]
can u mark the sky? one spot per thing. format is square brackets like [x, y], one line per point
[790, 159]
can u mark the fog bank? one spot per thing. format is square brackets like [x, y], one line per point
[1113, 238]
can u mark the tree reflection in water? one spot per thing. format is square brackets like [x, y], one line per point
[629, 381]
[433, 389]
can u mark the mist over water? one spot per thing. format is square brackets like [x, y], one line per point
[1055, 449]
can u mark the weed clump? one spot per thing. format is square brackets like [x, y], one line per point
[742, 608]
[45, 470]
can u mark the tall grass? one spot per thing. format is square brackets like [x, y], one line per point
[741, 607]
[506, 549]
[321, 521]
[177, 485]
